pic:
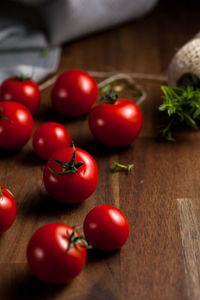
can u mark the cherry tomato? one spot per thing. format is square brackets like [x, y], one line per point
[56, 253]
[7, 209]
[71, 175]
[16, 125]
[50, 137]
[106, 228]
[23, 90]
[117, 124]
[74, 93]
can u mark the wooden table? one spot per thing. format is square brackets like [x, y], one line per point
[161, 260]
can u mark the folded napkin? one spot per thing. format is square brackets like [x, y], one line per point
[29, 27]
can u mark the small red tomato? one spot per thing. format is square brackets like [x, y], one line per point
[56, 253]
[70, 175]
[23, 90]
[50, 137]
[16, 125]
[7, 209]
[117, 124]
[106, 228]
[74, 93]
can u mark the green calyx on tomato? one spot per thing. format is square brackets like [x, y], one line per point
[110, 97]
[4, 117]
[22, 77]
[68, 167]
[3, 188]
[119, 167]
[76, 240]
[1, 193]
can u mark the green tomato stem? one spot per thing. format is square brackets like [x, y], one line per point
[22, 77]
[119, 167]
[4, 117]
[111, 97]
[68, 167]
[75, 240]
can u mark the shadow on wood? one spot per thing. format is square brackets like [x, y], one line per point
[26, 286]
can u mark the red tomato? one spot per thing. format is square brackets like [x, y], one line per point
[116, 125]
[55, 254]
[50, 137]
[74, 93]
[16, 125]
[106, 228]
[7, 209]
[71, 176]
[23, 90]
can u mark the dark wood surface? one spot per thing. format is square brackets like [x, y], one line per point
[156, 263]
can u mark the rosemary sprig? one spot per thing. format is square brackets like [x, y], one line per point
[181, 106]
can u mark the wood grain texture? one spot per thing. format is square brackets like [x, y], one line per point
[152, 263]
[191, 246]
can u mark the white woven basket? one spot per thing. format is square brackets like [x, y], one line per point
[186, 60]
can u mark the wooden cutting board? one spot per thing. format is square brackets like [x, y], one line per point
[160, 197]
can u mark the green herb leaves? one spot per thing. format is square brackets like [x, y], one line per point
[181, 106]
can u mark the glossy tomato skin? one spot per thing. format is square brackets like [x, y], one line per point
[74, 92]
[48, 255]
[25, 92]
[116, 125]
[17, 130]
[71, 188]
[7, 210]
[50, 137]
[106, 228]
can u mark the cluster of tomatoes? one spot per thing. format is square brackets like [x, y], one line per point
[56, 253]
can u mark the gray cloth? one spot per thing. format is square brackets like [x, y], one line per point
[29, 26]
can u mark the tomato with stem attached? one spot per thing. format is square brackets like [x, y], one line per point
[7, 209]
[117, 122]
[50, 137]
[56, 253]
[71, 175]
[16, 125]
[106, 228]
[23, 90]
[74, 92]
